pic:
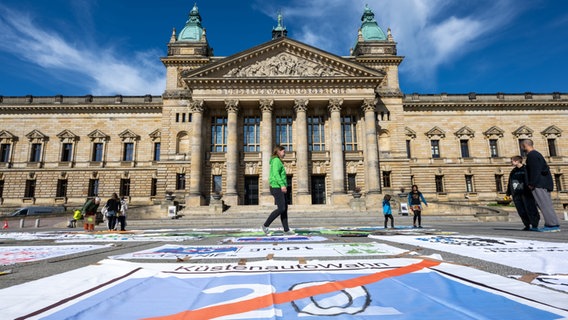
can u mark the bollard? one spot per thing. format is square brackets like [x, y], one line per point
[37, 223]
[22, 221]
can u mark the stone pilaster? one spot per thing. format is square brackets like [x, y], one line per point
[231, 196]
[337, 162]
[301, 108]
[266, 145]
[372, 150]
[195, 198]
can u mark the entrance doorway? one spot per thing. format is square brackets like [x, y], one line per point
[318, 189]
[251, 190]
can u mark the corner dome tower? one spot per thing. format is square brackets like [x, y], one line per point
[370, 30]
[193, 29]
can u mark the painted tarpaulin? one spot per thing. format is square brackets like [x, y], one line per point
[283, 250]
[340, 289]
[18, 254]
[531, 255]
[89, 237]
[272, 239]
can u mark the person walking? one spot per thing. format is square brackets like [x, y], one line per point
[122, 213]
[89, 211]
[278, 188]
[113, 207]
[387, 211]
[415, 198]
[540, 183]
[522, 197]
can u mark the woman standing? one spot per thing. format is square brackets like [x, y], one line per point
[415, 198]
[113, 207]
[278, 188]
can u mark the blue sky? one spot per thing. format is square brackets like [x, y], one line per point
[108, 47]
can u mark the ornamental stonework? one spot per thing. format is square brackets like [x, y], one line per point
[283, 65]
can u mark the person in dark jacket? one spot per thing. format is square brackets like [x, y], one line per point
[539, 179]
[113, 208]
[522, 197]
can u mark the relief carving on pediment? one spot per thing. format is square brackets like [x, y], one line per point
[283, 65]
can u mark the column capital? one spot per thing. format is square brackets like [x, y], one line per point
[196, 106]
[301, 104]
[232, 105]
[266, 105]
[335, 104]
[369, 105]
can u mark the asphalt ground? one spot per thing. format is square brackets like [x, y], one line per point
[24, 272]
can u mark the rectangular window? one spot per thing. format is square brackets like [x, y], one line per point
[552, 147]
[61, 188]
[35, 155]
[177, 117]
[435, 147]
[154, 187]
[218, 134]
[351, 181]
[29, 192]
[128, 154]
[157, 147]
[493, 150]
[439, 181]
[348, 133]
[558, 182]
[67, 152]
[408, 153]
[93, 187]
[5, 152]
[469, 183]
[316, 134]
[386, 179]
[284, 132]
[252, 134]
[1, 188]
[180, 181]
[124, 187]
[183, 117]
[217, 183]
[464, 147]
[97, 152]
[499, 182]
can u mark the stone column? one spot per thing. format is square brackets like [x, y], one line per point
[372, 150]
[301, 107]
[337, 162]
[195, 198]
[231, 194]
[266, 145]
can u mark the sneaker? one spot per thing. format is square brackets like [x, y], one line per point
[534, 229]
[265, 230]
[420, 227]
[289, 233]
[551, 229]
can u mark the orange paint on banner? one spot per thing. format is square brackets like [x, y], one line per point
[282, 297]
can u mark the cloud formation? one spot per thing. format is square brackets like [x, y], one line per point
[430, 33]
[100, 68]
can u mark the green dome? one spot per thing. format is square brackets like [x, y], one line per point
[192, 30]
[369, 27]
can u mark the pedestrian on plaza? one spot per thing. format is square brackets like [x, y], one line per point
[122, 213]
[278, 188]
[522, 197]
[77, 215]
[387, 210]
[415, 200]
[113, 207]
[540, 183]
[89, 212]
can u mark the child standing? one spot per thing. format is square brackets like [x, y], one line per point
[387, 211]
[415, 200]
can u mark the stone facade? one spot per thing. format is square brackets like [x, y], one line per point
[219, 118]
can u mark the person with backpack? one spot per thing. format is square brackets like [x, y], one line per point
[113, 208]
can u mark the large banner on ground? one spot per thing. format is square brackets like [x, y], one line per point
[534, 256]
[170, 251]
[17, 254]
[340, 289]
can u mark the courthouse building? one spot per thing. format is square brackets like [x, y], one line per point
[343, 120]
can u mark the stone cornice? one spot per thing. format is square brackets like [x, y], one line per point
[504, 106]
[82, 108]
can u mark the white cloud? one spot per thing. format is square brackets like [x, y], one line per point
[104, 71]
[430, 33]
